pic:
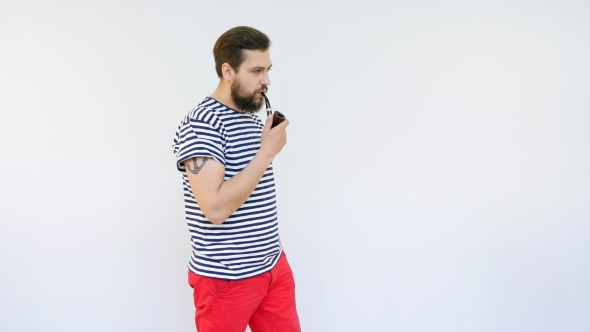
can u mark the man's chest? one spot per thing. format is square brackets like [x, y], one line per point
[242, 143]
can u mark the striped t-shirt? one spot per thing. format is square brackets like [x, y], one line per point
[247, 243]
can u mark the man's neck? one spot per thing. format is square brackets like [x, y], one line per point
[223, 95]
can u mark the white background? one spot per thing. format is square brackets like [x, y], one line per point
[436, 176]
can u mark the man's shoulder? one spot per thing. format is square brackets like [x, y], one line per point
[207, 110]
[215, 113]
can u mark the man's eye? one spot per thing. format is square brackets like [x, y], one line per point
[257, 71]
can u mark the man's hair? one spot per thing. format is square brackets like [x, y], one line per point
[228, 48]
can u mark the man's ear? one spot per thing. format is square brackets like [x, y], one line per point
[227, 72]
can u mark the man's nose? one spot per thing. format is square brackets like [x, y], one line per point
[265, 80]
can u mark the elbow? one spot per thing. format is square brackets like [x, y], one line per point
[217, 221]
[214, 212]
[215, 217]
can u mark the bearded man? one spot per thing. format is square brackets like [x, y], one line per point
[238, 271]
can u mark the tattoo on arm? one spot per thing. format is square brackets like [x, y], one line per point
[196, 169]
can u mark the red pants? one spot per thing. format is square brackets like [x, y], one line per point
[265, 302]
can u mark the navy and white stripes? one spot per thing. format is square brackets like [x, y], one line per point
[246, 244]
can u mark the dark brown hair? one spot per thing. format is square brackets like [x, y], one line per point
[228, 48]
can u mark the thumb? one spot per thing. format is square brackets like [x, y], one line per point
[268, 124]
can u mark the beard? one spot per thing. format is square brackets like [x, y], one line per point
[244, 100]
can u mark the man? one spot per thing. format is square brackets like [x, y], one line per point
[238, 270]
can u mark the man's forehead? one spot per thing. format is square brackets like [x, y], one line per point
[257, 58]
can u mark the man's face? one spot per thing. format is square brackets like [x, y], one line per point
[251, 80]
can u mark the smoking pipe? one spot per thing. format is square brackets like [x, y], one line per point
[277, 117]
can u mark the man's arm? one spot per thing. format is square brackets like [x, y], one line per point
[217, 198]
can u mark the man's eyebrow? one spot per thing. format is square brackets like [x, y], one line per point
[260, 67]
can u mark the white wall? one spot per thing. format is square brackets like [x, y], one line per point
[436, 176]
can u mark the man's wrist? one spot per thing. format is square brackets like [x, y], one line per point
[265, 156]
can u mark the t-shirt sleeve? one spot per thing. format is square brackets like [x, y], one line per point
[197, 138]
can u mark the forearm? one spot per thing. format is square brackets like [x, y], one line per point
[232, 193]
[219, 199]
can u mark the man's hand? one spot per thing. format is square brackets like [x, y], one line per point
[274, 139]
